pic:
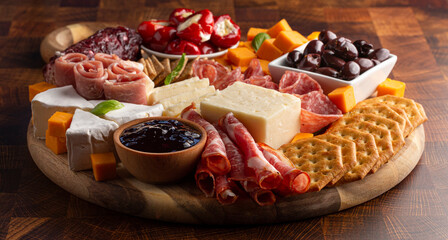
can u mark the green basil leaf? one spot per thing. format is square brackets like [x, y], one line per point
[176, 70]
[259, 39]
[104, 107]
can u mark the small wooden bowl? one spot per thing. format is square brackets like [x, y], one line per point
[159, 167]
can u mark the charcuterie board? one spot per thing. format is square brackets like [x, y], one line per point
[183, 202]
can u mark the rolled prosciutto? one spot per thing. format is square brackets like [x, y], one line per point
[63, 68]
[294, 180]
[214, 154]
[130, 88]
[106, 59]
[124, 68]
[89, 78]
[256, 164]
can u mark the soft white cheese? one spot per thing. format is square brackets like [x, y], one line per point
[270, 116]
[170, 90]
[188, 22]
[186, 96]
[45, 104]
[175, 110]
[224, 28]
[88, 134]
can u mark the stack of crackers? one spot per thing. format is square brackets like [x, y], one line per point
[157, 70]
[357, 144]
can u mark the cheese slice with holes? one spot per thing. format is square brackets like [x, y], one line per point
[270, 116]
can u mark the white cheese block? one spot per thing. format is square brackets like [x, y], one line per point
[88, 134]
[190, 96]
[175, 110]
[45, 104]
[270, 116]
[174, 89]
[131, 112]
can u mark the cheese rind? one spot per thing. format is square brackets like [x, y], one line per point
[45, 104]
[270, 116]
[88, 134]
[176, 88]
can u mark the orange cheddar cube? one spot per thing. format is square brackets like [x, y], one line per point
[57, 145]
[344, 98]
[58, 124]
[278, 27]
[241, 44]
[37, 88]
[289, 40]
[253, 32]
[264, 65]
[391, 87]
[300, 136]
[240, 56]
[104, 166]
[312, 36]
[248, 44]
[268, 51]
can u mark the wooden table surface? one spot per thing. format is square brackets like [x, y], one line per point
[31, 206]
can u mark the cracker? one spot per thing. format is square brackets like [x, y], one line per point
[366, 152]
[409, 128]
[150, 68]
[383, 141]
[177, 78]
[408, 105]
[187, 73]
[158, 67]
[173, 64]
[142, 61]
[158, 81]
[348, 151]
[422, 111]
[388, 124]
[321, 160]
[144, 54]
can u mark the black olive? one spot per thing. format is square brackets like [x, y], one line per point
[331, 45]
[325, 36]
[346, 50]
[350, 70]
[365, 64]
[364, 48]
[376, 62]
[380, 54]
[328, 71]
[332, 61]
[293, 58]
[314, 46]
[310, 62]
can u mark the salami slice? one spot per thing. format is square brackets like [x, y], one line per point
[298, 83]
[224, 191]
[262, 81]
[90, 77]
[256, 164]
[254, 69]
[210, 69]
[317, 112]
[294, 180]
[214, 154]
[205, 179]
[229, 79]
[262, 197]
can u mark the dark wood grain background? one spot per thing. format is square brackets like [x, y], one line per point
[32, 207]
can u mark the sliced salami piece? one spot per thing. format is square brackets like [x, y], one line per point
[90, 77]
[214, 154]
[298, 83]
[224, 191]
[229, 79]
[254, 69]
[262, 197]
[262, 81]
[256, 164]
[106, 59]
[210, 69]
[63, 69]
[294, 180]
[205, 179]
[317, 112]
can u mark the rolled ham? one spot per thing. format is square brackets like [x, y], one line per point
[106, 59]
[214, 154]
[267, 177]
[89, 78]
[205, 179]
[124, 68]
[130, 88]
[294, 180]
[63, 68]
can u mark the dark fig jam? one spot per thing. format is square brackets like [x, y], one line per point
[160, 136]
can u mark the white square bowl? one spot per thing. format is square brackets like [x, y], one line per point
[364, 85]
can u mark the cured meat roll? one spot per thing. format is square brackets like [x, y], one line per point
[124, 68]
[235, 157]
[205, 179]
[214, 154]
[262, 197]
[298, 83]
[89, 78]
[130, 88]
[63, 68]
[267, 177]
[224, 190]
[294, 180]
[106, 59]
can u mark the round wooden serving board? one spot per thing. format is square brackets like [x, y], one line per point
[183, 202]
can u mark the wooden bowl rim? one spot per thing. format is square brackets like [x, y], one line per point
[196, 126]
